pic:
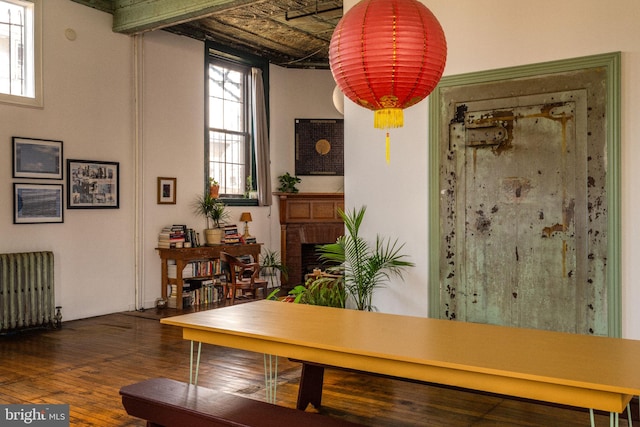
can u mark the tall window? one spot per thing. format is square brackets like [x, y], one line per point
[20, 80]
[233, 134]
[230, 154]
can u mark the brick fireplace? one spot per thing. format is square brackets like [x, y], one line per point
[307, 220]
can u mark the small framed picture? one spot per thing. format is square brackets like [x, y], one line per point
[37, 203]
[92, 184]
[166, 191]
[37, 158]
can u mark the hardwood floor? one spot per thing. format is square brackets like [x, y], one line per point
[86, 362]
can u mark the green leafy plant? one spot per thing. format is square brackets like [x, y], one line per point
[212, 209]
[270, 263]
[248, 188]
[288, 183]
[325, 291]
[364, 268]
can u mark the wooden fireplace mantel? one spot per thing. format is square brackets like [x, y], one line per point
[307, 218]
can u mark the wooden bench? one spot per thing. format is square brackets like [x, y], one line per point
[164, 402]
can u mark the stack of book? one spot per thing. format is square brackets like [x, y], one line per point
[172, 270]
[231, 235]
[171, 237]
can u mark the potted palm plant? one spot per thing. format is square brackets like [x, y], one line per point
[216, 214]
[364, 268]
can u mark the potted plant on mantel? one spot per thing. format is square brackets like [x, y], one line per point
[288, 183]
[215, 213]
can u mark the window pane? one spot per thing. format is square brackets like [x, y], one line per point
[226, 98]
[216, 116]
[229, 139]
[17, 63]
[233, 116]
[227, 161]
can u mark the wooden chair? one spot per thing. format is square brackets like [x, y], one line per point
[242, 276]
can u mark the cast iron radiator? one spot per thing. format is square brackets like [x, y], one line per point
[26, 291]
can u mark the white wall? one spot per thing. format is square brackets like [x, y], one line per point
[90, 93]
[174, 131]
[87, 88]
[297, 94]
[480, 36]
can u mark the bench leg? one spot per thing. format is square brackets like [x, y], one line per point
[271, 377]
[310, 389]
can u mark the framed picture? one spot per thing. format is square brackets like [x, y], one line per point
[319, 146]
[37, 158]
[37, 203]
[92, 184]
[166, 191]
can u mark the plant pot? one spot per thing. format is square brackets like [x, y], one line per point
[214, 191]
[213, 236]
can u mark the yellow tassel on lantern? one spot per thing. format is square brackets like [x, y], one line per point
[386, 118]
[388, 150]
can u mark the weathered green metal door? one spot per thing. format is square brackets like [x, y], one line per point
[518, 243]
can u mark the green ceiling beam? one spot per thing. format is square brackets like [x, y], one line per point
[137, 16]
[103, 5]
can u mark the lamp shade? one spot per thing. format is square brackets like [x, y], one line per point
[245, 217]
[387, 55]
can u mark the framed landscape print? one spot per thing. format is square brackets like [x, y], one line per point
[37, 158]
[93, 184]
[37, 203]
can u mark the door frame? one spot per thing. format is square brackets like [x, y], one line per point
[611, 63]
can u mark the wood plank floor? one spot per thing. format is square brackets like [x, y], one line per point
[86, 362]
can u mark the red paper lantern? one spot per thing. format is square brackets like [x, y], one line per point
[387, 55]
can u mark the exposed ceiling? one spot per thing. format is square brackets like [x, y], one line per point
[289, 33]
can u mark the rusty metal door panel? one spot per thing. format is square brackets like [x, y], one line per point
[515, 214]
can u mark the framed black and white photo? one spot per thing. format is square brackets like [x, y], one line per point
[37, 158]
[37, 203]
[93, 184]
[166, 191]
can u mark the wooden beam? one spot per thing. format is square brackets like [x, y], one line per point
[137, 16]
[103, 5]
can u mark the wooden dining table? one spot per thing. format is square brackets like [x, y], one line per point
[593, 372]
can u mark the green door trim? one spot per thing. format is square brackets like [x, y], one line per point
[608, 61]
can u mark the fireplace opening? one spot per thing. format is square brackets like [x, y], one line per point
[310, 259]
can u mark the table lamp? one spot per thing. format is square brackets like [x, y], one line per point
[246, 218]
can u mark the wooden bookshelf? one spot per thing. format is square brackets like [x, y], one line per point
[183, 256]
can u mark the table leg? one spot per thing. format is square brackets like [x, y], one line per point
[310, 389]
[614, 419]
[270, 377]
[193, 380]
